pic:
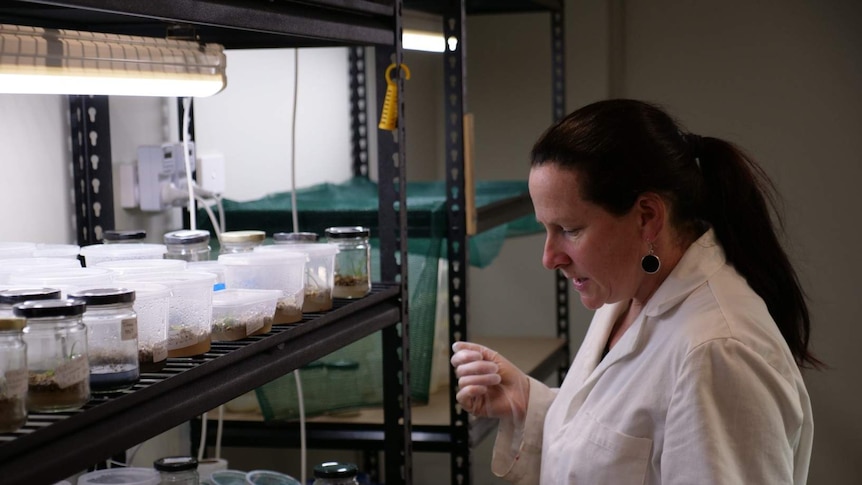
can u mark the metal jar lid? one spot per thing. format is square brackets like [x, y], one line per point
[175, 464]
[11, 297]
[104, 296]
[187, 236]
[127, 235]
[8, 324]
[49, 308]
[294, 237]
[344, 232]
[242, 236]
[334, 469]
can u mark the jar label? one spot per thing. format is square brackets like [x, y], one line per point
[130, 329]
[16, 383]
[72, 371]
[160, 351]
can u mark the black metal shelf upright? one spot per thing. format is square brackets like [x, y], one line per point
[72, 441]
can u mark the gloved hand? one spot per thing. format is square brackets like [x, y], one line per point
[489, 385]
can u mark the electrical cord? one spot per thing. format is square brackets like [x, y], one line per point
[187, 103]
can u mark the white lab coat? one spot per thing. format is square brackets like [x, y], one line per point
[701, 389]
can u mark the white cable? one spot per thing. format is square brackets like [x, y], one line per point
[293, 210]
[212, 217]
[218, 431]
[220, 211]
[187, 102]
[301, 400]
[203, 444]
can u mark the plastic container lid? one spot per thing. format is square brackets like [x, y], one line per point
[96, 253]
[312, 250]
[174, 279]
[138, 266]
[66, 251]
[256, 258]
[294, 237]
[228, 477]
[269, 477]
[49, 308]
[242, 236]
[347, 232]
[22, 265]
[121, 476]
[334, 469]
[187, 236]
[64, 279]
[127, 235]
[175, 463]
[16, 249]
[104, 296]
[11, 297]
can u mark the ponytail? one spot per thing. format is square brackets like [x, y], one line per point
[740, 203]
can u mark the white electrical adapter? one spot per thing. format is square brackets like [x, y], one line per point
[211, 172]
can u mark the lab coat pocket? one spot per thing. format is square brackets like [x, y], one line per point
[605, 455]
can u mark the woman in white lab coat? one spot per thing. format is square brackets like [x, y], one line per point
[690, 370]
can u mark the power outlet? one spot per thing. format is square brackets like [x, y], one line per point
[211, 172]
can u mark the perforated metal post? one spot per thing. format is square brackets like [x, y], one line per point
[558, 106]
[393, 267]
[91, 167]
[455, 100]
[358, 111]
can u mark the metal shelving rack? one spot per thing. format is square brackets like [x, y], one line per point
[70, 442]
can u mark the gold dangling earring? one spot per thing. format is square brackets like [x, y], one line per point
[650, 263]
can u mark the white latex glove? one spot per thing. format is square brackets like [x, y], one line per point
[489, 385]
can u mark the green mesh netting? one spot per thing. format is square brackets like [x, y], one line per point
[353, 203]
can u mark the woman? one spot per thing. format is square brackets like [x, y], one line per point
[689, 372]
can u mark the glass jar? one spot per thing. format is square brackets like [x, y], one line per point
[343, 374]
[240, 241]
[335, 473]
[177, 470]
[13, 374]
[8, 298]
[353, 261]
[131, 236]
[294, 237]
[57, 366]
[188, 245]
[112, 338]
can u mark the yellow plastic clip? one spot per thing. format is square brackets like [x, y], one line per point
[389, 114]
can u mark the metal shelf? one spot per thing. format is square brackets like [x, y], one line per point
[186, 388]
[232, 23]
[475, 7]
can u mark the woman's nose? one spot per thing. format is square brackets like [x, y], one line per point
[553, 257]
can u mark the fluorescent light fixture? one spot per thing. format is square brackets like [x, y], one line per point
[417, 40]
[34, 60]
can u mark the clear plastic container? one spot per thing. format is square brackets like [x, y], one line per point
[9, 298]
[16, 250]
[280, 270]
[24, 265]
[241, 312]
[335, 473]
[178, 470]
[190, 309]
[188, 245]
[240, 241]
[319, 273]
[228, 477]
[57, 365]
[140, 266]
[13, 374]
[213, 267]
[64, 279]
[353, 262]
[98, 253]
[130, 236]
[121, 476]
[152, 306]
[112, 338]
[269, 477]
[65, 251]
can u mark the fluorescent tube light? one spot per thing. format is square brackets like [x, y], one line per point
[423, 41]
[34, 60]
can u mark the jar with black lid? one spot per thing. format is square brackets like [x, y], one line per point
[188, 245]
[13, 374]
[57, 366]
[335, 473]
[177, 470]
[130, 236]
[8, 298]
[112, 338]
[353, 261]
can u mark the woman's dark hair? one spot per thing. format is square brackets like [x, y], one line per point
[623, 148]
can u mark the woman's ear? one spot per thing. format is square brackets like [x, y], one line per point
[652, 212]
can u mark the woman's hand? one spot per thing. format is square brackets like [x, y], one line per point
[489, 385]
